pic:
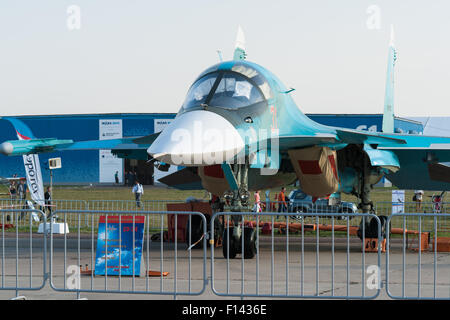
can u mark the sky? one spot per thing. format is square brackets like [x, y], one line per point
[142, 56]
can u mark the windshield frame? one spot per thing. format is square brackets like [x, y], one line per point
[220, 75]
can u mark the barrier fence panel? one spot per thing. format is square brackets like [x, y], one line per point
[298, 208]
[296, 258]
[418, 256]
[133, 205]
[148, 263]
[58, 204]
[23, 251]
[332, 255]
[424, 208]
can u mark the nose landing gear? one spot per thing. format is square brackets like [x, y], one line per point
[238, 239]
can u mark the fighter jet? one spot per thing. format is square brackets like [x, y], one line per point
[240, 130]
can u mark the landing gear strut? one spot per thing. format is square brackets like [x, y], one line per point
[233, 243]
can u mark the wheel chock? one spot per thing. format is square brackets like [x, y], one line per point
[371, 245]
[151, 273]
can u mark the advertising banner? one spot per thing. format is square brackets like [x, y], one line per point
[108, 163]
[398, 201]
[34, 178]
[115, 245]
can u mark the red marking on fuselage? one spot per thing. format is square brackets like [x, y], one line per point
[214, 171]
[309, 166]
[333, 165]
[21, 136]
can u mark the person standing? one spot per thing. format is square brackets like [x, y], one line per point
[127, 178]
[13, 191]
[257, 206]
[48, 201]
[132, 178]
[418, 195]
[22, 190]
[116, 177]
[282, 205]
[138, 191]
[22, 193]
[13, 196]
[268, 200]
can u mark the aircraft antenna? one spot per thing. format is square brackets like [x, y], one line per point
[388, 114]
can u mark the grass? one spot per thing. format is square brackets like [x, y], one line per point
[155, 195]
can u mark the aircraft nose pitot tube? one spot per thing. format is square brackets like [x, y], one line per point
[197, 138]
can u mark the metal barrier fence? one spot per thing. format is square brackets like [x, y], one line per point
[420, 268]
[426, 209]
[298, 209]
[59, 204]
[77, 205]
[294, 266]
[132, 205]
[306, 255]
[69, 252]
[20, 249]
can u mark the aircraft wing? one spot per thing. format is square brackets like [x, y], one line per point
[28, 144]
[339, 137]
[35, 146]
[423, 163]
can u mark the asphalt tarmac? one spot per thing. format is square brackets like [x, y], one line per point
[284, 269]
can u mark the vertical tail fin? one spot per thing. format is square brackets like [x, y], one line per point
[31, 162]
[23, 132]
[239, 50]
[388, 114]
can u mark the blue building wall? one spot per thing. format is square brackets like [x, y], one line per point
[83, 166]
[77, 166]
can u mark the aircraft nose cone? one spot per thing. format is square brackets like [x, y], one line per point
[6, 148]
[197, 138]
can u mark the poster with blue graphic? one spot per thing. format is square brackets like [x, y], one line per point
[115, 245]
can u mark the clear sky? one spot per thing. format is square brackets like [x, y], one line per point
[141, 56]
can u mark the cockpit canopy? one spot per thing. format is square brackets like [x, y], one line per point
[229, 89]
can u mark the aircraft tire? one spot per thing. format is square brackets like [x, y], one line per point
[233, 250]
[249, 243]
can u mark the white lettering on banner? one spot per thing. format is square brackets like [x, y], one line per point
[108, 163]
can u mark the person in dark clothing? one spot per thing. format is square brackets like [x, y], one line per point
[127, 178]
[13, 196]
[48, 200]
[22, 192]
[282, 205]
[13, 190]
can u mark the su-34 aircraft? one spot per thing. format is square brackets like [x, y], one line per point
[239, 130]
